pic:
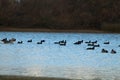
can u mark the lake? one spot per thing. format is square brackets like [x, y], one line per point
[72, 61]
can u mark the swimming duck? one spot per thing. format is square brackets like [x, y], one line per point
[20, 42]
[113, 51]
[91, 48]
[104, 51]
[29, 40]
[107, 42]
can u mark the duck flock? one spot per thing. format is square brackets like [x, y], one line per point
[91, 44]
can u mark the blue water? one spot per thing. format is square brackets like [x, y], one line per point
[52, 60]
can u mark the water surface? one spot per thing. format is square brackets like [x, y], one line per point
[52, 60]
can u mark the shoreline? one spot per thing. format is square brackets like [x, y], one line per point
[16, 77]
[50, 30]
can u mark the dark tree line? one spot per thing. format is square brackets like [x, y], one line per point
[59, 14]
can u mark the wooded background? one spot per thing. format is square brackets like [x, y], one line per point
[59, 14]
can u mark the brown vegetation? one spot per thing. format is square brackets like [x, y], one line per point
[59, 14]
[111, 27]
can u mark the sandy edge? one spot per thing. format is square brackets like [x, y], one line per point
[13, 77]
[49, 30]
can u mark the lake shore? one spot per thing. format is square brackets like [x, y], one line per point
[50, 30]
[13, 77]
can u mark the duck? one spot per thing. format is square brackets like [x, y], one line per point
[94, 42]
[56, 42]
[59, 42]
[29, 40]
[5, 39]
[107, 42]
[91, 48]
[78, 42]
[97, 45]
[20, 42]
[12, 39]
[42, 40]
[39, 42]
[104, 51]
[118, 45]
[62, 43]
[88, 42]
[81, 41]
[113, 51]
[8, 41]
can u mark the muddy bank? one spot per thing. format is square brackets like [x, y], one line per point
[7, 77]
[49, 30]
